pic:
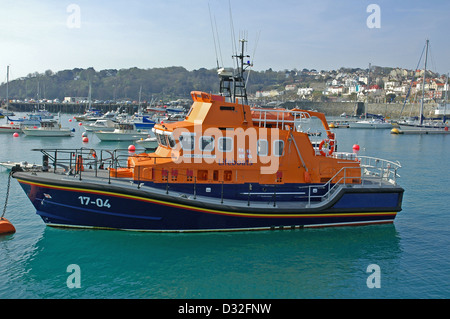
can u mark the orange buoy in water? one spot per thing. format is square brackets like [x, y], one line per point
[6, 227]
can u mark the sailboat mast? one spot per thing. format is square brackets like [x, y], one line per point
[7, 87]
[423, 84]
[444, 119]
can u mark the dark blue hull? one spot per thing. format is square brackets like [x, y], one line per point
[68, 204]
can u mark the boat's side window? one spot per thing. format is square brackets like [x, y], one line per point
[278, 146]
[187, 142]
[172, 142]
[206, 143]
[158, 138]
[163, 139]
[263, 147]
[225, 144]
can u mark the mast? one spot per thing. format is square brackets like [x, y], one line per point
[90, 96]
[423, 84]
[445, 101]
[7, 88]
[233, 84]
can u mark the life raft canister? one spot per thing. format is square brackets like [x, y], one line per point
[328, 144]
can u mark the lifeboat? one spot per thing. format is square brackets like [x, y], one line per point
[225, 167]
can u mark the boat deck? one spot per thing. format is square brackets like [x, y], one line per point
[100, 178]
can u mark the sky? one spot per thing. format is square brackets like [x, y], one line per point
[56, 35]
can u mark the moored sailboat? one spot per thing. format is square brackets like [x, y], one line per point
[8, 127]
[421, 125]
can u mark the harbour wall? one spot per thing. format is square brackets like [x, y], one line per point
[392, 110]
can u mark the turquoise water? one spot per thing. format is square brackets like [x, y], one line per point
[412, 254]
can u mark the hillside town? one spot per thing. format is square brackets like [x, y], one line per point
[380, 85]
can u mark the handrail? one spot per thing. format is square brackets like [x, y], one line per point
[371, 168]
[386, 171]
[282, 116]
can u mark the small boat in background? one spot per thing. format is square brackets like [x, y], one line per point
[375, 123]
[9, 126]
[100, 125]
[48, 129]
[124, 131]
[149, 143]
[23, 165]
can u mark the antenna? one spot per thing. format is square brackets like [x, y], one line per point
[254, 52]
[214, 38]
[233, 37]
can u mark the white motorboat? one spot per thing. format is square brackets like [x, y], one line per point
[24, 165]
[10, 128]
[100, 125]
[371, 123]
[47, 129]
[149, 143]
[122, 132]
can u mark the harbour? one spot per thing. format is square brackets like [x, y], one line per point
[299, 261]
[305, 184]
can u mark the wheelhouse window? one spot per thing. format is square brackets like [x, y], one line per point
[263, 147]
[162, 139]
[187, 141]
[278, 147]
[225, 144]
[206, 143]
[171, 140]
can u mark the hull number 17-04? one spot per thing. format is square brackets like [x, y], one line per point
[99, 202]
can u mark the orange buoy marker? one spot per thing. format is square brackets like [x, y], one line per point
[85, 139]
[6, 227]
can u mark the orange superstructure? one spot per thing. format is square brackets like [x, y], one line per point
[228, 142]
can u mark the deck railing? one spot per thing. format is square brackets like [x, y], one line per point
[374, 171]
[279, 118]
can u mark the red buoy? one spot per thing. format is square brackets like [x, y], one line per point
[16, 134]
[85, 140]
[6, 227]
[355, 148]
[131, 148]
